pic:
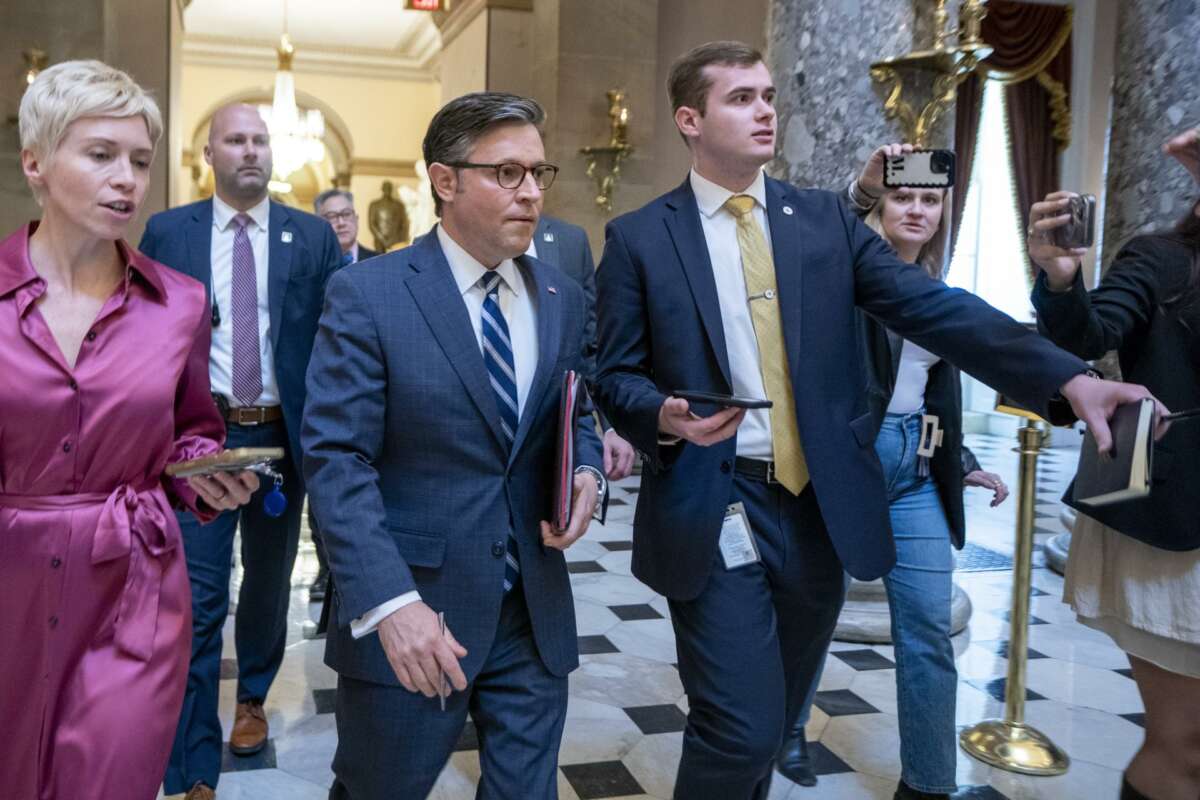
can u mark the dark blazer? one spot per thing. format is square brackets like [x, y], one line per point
[182, 238]
[365, 252]
[660, 329]
[566, 246]
[1158, 347]
[951, 461]
[405, 462]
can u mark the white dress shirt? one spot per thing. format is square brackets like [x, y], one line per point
[517, 306]
[741, 343]
[220, 359]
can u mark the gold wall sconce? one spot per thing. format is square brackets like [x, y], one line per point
[36, 60]
[949, 63]
[613, 153]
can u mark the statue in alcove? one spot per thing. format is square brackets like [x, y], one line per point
[387, 219]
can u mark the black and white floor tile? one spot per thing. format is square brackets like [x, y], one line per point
[627, 706]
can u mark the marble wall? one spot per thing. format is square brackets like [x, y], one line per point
[830, 112]
[141, 38]
[1154, 96]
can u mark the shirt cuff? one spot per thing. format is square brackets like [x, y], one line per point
[368, 622]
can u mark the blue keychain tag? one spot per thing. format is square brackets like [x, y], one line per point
[275, 503]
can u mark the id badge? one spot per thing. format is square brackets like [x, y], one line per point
[737, 540]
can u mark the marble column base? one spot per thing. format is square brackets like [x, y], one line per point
[867, 618]
[1058, 546]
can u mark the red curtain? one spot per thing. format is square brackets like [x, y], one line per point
[1032, 56]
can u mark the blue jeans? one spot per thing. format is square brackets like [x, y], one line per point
[919, 593]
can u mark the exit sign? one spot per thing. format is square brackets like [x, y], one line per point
[427, 5]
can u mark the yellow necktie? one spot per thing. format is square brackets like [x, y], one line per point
[791, 470]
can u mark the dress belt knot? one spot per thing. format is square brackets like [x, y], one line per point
[133, 525]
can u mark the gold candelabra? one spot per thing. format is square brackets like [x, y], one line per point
[949, 63]
[616, 151]
[1009, 743]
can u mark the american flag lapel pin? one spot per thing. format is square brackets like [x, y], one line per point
[286, 237]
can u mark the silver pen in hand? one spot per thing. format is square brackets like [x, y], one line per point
[443, 689]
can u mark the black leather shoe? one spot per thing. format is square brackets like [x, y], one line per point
[793, 761]
[1130, 793]
[320, 585]
[906, 792]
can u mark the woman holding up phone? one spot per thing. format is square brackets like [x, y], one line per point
[904, 383]
[105, 358]
[1134, 568]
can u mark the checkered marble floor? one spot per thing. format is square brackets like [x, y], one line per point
[627, 706]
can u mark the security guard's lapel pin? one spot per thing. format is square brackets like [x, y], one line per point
[286, 237]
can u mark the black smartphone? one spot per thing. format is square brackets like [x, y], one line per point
[721, 399]
[920, 169]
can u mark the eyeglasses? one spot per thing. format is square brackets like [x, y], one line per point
[510, 175]
[339, 216]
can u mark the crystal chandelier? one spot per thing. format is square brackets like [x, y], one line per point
[296, 137]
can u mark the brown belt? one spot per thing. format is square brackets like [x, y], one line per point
[253, 415]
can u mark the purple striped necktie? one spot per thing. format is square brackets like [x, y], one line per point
[247, 361]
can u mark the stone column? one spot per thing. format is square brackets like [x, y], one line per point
[141, 38]
[830, 112]
[830, 119]
[1154, 97]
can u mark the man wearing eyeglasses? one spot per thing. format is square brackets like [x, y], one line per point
[336, 206]
[430, 439]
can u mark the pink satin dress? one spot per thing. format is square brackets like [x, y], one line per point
[95, 606]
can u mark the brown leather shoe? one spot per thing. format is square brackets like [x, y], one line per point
[249, 729]
[200, 792]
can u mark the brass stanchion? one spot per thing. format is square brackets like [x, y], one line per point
[1009, 743]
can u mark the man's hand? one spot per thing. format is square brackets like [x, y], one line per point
[1059, 264]
[417, 651]
[1094, 402]
[1185, 148]
[584, 495]
[988, 480]
[870, 180]
[674, 419]
[618, 456]
[225, 490]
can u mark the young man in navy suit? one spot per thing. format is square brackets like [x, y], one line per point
[266, 266]
[430, 441]
[735, 283]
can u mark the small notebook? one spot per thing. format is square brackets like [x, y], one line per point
[1123, 473]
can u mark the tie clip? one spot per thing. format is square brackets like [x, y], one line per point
[769, 294]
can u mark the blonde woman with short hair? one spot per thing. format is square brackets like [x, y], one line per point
[105, 354]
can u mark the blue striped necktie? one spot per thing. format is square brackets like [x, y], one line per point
[498, 358]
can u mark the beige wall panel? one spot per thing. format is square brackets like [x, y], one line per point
[464, 61]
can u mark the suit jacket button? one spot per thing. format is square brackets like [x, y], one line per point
[726, 466]
[498, 549]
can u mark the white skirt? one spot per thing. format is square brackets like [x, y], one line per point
[1146, 599]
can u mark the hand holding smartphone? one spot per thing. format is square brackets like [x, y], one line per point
[724, 400]
[920, 169]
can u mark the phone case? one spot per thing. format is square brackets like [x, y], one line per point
[1080, 230]
[920, 169]
[227, 461]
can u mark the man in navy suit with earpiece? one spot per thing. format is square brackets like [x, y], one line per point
[266, 266]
